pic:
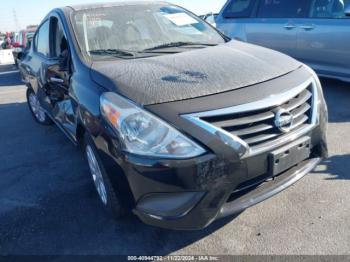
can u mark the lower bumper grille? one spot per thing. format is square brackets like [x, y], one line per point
[239, 202]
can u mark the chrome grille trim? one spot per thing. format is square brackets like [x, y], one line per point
[295, 103]
[300, 127]
[242, 121]
[252, 130]
[300, 111]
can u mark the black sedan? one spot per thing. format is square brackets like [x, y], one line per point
[179, 124]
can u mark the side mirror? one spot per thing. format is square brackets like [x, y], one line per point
[347, 10]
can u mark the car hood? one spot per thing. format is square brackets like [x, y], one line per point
[192, 74]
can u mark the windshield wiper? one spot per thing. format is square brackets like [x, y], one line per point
[116, 52]
[176, 44]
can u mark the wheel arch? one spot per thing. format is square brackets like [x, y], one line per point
[113, 169]
[89, 124]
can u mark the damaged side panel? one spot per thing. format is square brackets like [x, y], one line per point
[57, 101]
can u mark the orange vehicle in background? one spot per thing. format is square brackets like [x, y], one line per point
[22, 41]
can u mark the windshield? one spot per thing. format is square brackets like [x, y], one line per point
[133, 29]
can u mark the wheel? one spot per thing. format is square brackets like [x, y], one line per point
[104, 188]
[36, 109]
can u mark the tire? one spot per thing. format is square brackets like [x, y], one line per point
[106, 192]
[35, 108]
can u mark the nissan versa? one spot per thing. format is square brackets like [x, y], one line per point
[179, 124]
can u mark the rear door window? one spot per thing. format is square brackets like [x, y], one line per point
[59, 39]
[239, 9]
[42, 43]
[328, 8]
[282, 9]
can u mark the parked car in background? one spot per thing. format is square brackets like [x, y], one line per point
[22, 41]
[2, 39]
[8, 41]
[178, 140]
[316, 32]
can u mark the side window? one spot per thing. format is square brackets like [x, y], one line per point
[328, 8]
[282, 9]
[42, 43]
[239, 9]
[59, 40]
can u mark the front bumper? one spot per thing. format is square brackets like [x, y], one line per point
[191, 194]
[268, 188]
[223, 203]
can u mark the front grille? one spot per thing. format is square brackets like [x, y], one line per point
[257, 127]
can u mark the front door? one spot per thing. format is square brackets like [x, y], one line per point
[275, 25]
[58, 79]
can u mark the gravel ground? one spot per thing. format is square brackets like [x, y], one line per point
[48, 205]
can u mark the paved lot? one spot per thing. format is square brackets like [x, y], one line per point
[48, 204]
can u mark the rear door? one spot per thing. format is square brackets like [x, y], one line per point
[275, 25]
[38, 63]
[324, 38]
[38, 60]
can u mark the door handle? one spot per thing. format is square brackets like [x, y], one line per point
[308, 27]
[56, 80]
[290, 26]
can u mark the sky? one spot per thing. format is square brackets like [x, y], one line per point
[30, 12]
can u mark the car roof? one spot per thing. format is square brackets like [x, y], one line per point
[113, 4]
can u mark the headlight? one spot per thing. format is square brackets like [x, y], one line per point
[144, 134]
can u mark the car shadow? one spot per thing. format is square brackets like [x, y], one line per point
[336, 166]
[337, 95]
[9, 76]
[49, 206]
[10, 79]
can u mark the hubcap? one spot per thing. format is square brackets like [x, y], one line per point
[96, 174]
[36, 108]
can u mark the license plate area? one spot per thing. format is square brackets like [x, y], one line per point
[288, 156]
